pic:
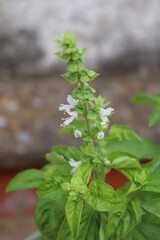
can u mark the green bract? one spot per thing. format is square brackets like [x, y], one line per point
[75, 202]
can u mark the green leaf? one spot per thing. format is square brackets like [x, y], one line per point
[91, 115]
[139, 178]
[69, 38]
[74, 78]
[88, 149]
[31, 178]
[69, 50]
[121, 160]
[55, 170]
[68, 152]
[73, 126]
[119, 225]
[153, 206]
[90, 224]
[49, 216]
[64, 231]
[82, 175]
[91, 74]
[73, 211]
[55, 158]
[122, 133]
[66, 75]
[155, 117]
[153, 167]
[101, 196]
[72, 67]
[76, 56]
[147, 229]
[142, 150]
[145, 99]
[50, 190]
[58, 43]
[85, 95]
[71, 77]
[84, 77]
[153, 184]
[63, 56]
[103, 227]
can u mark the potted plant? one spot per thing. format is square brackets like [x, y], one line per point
[72, 205]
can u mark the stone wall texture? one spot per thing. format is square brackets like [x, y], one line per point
[120, 34]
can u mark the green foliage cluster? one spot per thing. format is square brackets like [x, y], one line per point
[69, 206]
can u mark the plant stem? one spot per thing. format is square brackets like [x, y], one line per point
[86, 112]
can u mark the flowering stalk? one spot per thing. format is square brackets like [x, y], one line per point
[83, 103]
[86, 112]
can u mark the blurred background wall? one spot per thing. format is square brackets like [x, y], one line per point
[123, 41]
[120, 34]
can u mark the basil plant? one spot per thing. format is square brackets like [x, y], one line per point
[71, 206]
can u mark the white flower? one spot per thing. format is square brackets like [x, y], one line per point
[67, 107]
[71, 101]
[100, 135]
[77, 133]
[74, 164]
[103, 124]
[104, 114]
[70, 119]
[106, 161]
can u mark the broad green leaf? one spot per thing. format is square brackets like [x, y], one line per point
[143, 149]
[73, 211]
[82, 175]
[101, 196]
[155, 117]
[90, 224]
[88, 150]
[103, 227]
[31, 178]
[138, 178]
[147, 229]
[153, 167]
[53, 170]
[64, 231]
[153, 184]
[49, 216]
[122, 133]
[121, 160]
[55, 158]
[50, 190]
[68, 152]
[146, 99]
[73, 126]
[119, 225]
[153, 206]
